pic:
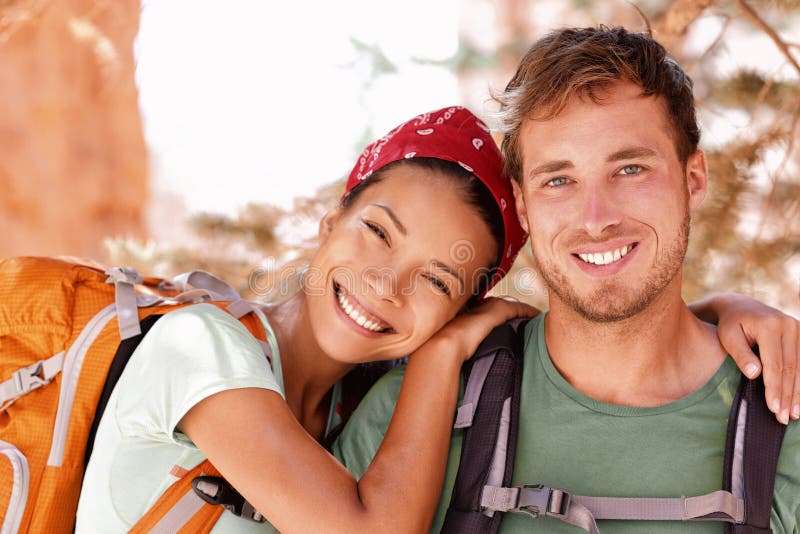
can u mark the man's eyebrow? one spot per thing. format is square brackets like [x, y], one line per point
[631, 153]
[551, 166]
[447, 268]
[393, 217]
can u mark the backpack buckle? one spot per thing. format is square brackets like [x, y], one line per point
[29, 378]
[537, 500]
[217, 491]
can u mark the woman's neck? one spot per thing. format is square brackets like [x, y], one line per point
[308, 373]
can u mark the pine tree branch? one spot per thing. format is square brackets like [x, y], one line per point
[676, 21]
[699, 59]
[770, 198]
[766, 28]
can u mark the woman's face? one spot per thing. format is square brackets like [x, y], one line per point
[395, 265]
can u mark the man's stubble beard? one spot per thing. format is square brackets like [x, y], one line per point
[618, 300]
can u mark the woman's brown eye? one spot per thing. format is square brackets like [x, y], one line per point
[377, 230]
[439, 285]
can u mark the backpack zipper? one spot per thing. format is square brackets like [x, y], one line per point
[73, 361]
[19, 489]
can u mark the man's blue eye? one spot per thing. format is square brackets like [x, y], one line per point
[555, 182]
[631, 169]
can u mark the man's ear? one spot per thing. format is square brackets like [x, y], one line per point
[696, 178]
[519, 205]
[327, 223]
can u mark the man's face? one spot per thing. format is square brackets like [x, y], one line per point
[607, 202]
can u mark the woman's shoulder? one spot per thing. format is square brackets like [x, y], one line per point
[201, 316]
[203, 329]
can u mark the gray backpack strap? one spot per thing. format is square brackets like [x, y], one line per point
[217, 287]
[124, 280]
[582, 511]
[472, 393]
[489, 418]
[751, 456]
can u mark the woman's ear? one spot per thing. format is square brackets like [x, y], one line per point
[327, 223]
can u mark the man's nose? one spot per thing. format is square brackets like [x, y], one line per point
[600, 210]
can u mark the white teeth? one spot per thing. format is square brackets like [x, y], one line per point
[604, 258]
[353, 313]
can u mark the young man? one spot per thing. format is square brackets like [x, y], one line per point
[624, 392]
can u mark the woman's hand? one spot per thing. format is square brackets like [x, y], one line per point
[744, 322]
[466, 331]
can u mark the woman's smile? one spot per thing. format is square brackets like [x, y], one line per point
[354, 313]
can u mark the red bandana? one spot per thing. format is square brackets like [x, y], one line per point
[452, 134]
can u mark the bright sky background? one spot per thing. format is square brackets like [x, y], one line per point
[252, 101]
[255, 101]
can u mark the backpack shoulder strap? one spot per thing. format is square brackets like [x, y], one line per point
[751, 456]
[489, 415]
[180, 509]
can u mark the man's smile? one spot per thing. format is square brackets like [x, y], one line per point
[606, 257]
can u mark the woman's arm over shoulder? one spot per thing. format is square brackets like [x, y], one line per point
[253, 439]
[744, 322]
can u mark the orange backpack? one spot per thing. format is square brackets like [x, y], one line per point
[61, 324]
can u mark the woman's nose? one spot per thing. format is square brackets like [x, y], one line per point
[382, 282]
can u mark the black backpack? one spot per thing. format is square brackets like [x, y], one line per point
[489, 415]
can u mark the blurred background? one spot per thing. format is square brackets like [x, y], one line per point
[172, 135]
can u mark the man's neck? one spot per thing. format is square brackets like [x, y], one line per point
[657, 356]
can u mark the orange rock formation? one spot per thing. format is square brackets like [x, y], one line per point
[73, 165]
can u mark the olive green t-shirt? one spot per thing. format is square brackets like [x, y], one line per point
[568, 440]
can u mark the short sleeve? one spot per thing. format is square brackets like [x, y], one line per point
[362, 435]
[188, 355]
[786, 503]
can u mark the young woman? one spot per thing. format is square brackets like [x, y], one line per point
[425, 228]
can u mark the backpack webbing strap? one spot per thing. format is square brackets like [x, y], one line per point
[472, 393]
[217, 287]
[502, 381]
[29, 378]
[124, 280]
[582, 511]
[751, 460]
[180, 509]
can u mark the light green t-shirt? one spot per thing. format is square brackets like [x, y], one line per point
[188, 355]
[568, 440]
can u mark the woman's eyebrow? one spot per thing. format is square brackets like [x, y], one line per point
[393, 217]
[443, 266]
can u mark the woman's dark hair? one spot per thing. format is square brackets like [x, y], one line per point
[474, 192]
